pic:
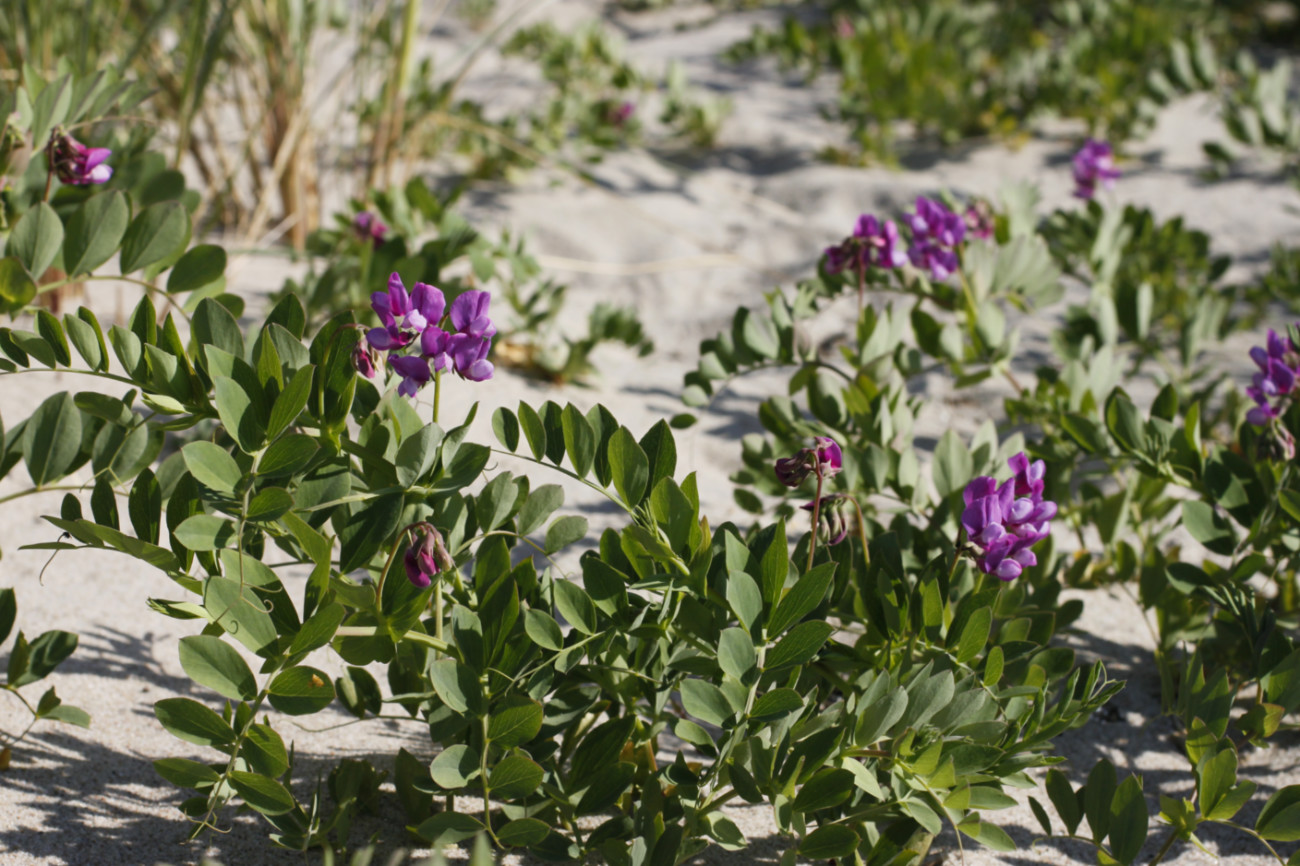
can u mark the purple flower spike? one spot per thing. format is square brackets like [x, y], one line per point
[369, 227]
[78, 165]
[1271, 387]
[1094, 164]
[873, 244]
[414, 371]
[1005, 520]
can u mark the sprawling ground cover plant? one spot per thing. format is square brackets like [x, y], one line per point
[1132, 487]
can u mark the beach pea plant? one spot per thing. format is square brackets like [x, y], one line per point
[1186, 503]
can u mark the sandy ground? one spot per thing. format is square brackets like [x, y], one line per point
[762, 207]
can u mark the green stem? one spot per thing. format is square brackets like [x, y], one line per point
[412, 636]
[816, 513]
[437, 393]
[1164, 849]
[34, 490]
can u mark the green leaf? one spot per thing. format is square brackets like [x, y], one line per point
[52, 333]
[1099, 793]
[1208, 527]
[161, 230]
[776, 703]
[213, 325]
[515, 777]
[736, 653]
[240, 611]
[192, 722]
[206, 532]
[1279, 820]
[264, 751]
[268, 504]
[565, 531]
[745, 599]
[212, 466]
[301, 691]
[17, 288]
[988, 835]
[455, 767]
[953, 464]
[539, 505]
[45, 654]
[95, 231]
[1128, 821]
[543, 630]
[505, 425]
[801, 600]
[880, 716]
[235, 408]
[457, 686]
[604, 789]
[629, 466]
[522, 832]
[575, 606]
[212, 662]
[201, 265]
[1064, 799]
[36, 239]
[534, 430]
[185, 773]
[514, 721]
[52, 439]
[579, 440]
[833, 841]
[828, 787]
[448, 828]
[495, 502]
[705, 701]
[366, 530]
[291, 401]
[798, 647]
[661, 451]
[8, 612]
[974, 635]
[263, 795]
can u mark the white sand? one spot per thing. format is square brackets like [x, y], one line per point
[91, 797]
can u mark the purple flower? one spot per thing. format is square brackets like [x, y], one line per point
[1094, 164]
[824, 458]
[1005, 520]
[873, 244]
[414, 371]
[621, 113]
[76, 164]
[936, 233]
[369, 227]
[404, 316]
[1279, 366]
[469, 314]
[469, 357]
[426, 556]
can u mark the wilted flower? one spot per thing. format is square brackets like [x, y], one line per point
[76, 164]
[1094, 164]
[1279, 366]
[824, 458]
[873, 244]
[369, 227]
[1005, 520]
[936, 233]
[365, 358]
[833, 516]
[979, 219]
[426, 556]
[621, 113]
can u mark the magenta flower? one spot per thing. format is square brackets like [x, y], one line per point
[469, 357]
[365, 358]
[873, 244]
[1279, 367]
[369, 227]
[979, 219]
[74, 163]
[426, 556]
[1094, 164]
[1005, 520]
[825, 459]
[620, 114]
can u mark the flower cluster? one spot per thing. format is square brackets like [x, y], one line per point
[1005, 520]
[1094, 164]
[415, 321]
[833, 515]
[426, 556]
[369, 227]
[873, 244]
[1279, 367]
[618, 114]
[824, 459]
[74, 163]
[936, 234]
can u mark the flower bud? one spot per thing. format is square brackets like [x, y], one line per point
[426, 556]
